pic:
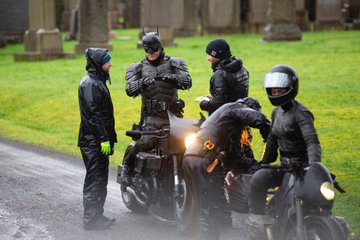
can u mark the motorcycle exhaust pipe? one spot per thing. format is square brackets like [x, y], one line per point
[137, 198]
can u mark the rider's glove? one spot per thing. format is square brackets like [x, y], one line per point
[148, 81]
[204, 105]
[106, 148]
[170, 77]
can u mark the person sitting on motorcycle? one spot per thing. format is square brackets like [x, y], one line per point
[213, 149]
[157, 79]
[292, 133]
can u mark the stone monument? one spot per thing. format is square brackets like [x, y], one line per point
[184, 17]
[42, 40]
[328, 14]
[93, 25]
[257, 15]
[14, 20]
[152, 18]
[220, 16]
[282, 21]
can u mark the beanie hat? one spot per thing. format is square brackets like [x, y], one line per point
[218, 48]
[106, 58]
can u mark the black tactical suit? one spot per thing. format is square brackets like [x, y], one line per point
[97, 125]
[215, 140]
[229, 83]
[294, 134]
[170, 74]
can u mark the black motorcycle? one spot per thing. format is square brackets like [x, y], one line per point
[302, 205]
[158, 186]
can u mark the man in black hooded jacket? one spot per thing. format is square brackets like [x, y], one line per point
[230, 80]
[96, 136]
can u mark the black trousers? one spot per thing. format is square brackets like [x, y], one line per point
[95, 184]
[207, 192]
[260, 182]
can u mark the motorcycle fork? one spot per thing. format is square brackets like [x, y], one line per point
[176, 176]
[300, 227]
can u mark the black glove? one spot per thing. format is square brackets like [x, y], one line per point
[204, 105]
[169, 77]
[148, 81]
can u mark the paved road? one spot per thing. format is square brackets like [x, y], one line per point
[41, 198]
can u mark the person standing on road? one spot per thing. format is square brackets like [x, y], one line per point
[97, 136]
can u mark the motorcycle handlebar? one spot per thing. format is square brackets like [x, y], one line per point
[138, 133]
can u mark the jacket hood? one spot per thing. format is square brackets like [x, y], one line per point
[94, 57]
[231, 64]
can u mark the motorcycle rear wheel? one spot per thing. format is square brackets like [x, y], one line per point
[131, 203]
[320, 228]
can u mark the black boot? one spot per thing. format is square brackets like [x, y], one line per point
[127, 167]
[99, 223]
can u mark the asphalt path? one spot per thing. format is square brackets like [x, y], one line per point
[41, 198]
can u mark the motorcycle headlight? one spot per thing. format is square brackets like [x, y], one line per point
[327, 190]
[190, 139]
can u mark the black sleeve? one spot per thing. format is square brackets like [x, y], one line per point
[271, 148]
[133, 79]
[218, 92]
[94, 100]
[305, 120]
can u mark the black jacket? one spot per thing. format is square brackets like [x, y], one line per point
[294, 134]
[229, 83]
[96, 109]
[225, 126]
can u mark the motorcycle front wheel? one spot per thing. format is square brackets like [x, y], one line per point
[324, 227]
[131, 203]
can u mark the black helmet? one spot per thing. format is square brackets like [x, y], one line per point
[281, 76]
[151, 41]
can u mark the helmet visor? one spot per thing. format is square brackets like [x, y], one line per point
[277, 80]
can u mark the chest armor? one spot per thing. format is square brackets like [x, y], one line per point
[162, 90]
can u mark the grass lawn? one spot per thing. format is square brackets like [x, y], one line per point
[39, 99]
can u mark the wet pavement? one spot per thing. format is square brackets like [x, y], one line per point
[41, 198]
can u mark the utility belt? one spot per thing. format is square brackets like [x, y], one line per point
[154, 107]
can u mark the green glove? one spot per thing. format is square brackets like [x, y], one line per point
[106, 148]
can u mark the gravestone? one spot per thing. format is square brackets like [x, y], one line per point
[93, 25]
[220, 16]
[74, 25]
[132, 14]
[14, 20]
[184, 17]
[43, 40]
[302, 17]
[152, 18]
[257, 15]
[328, 14]
[66, 16]
[114, 14]
[282, 22]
